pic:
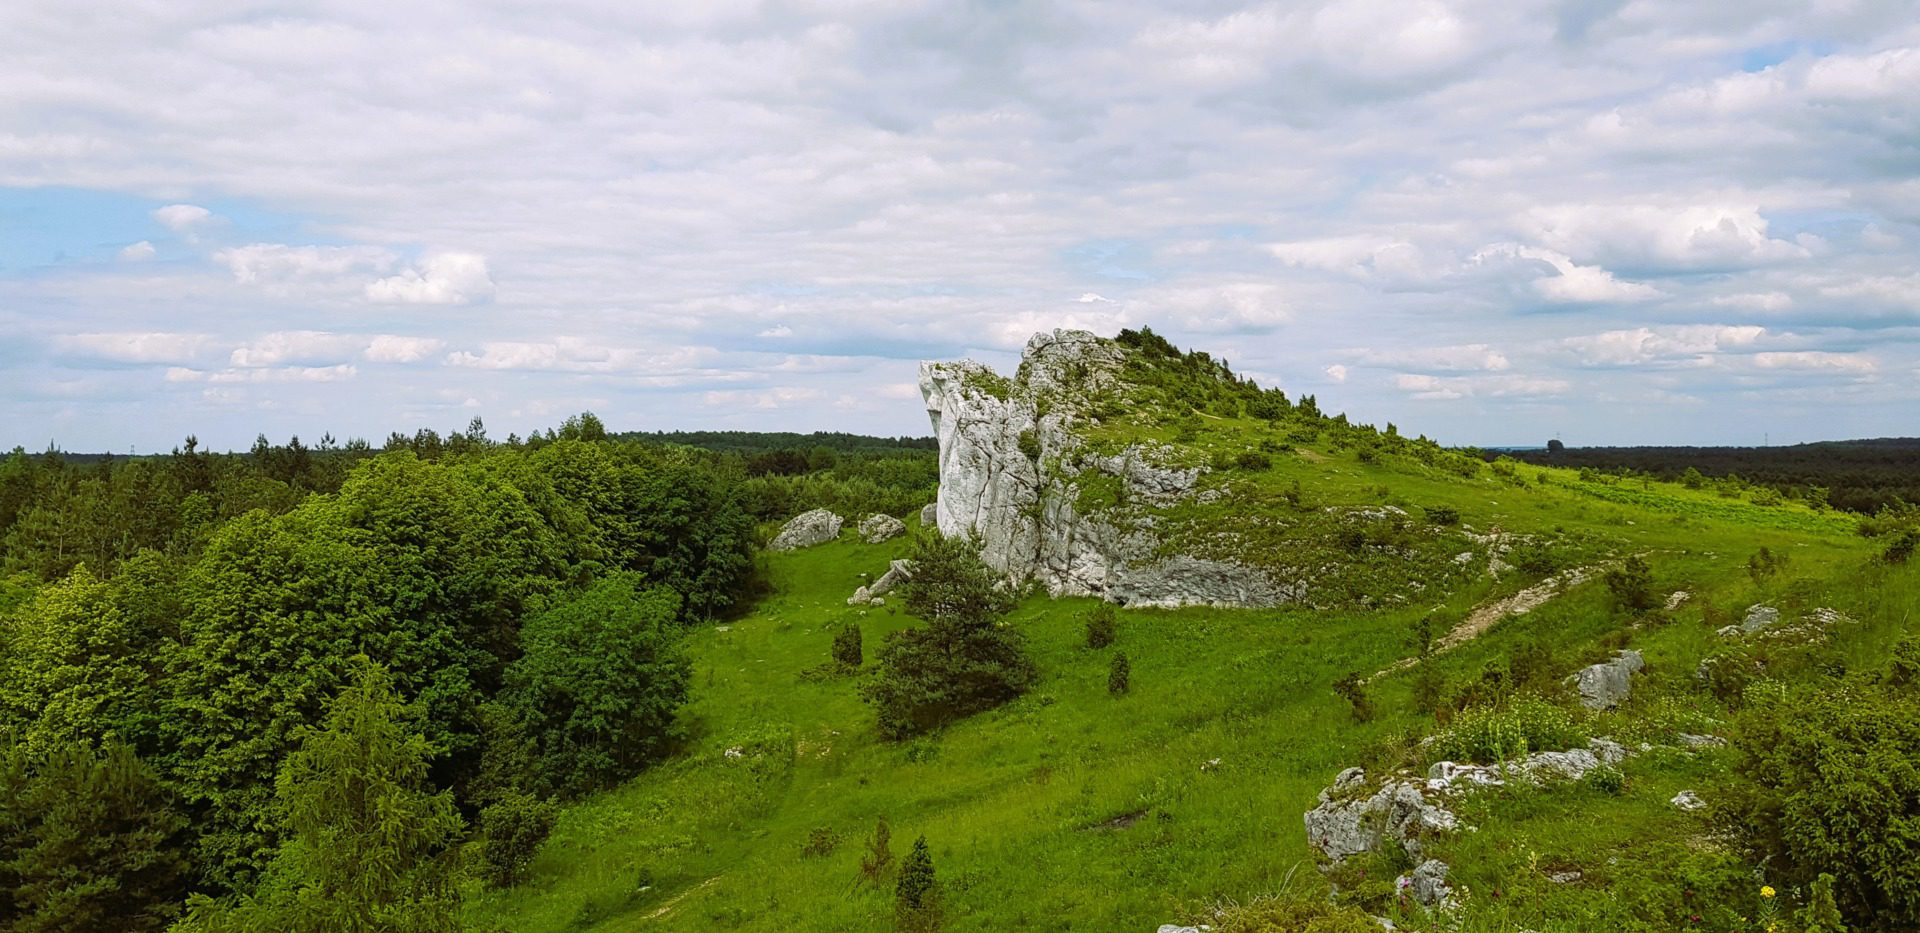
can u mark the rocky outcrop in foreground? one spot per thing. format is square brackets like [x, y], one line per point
[1013, 464]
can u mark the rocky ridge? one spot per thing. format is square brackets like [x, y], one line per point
[1012, 465]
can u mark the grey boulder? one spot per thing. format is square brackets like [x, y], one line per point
[806, 530]
[1604, 686]
[877, 528]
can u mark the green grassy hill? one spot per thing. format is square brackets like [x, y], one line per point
[1074, 809]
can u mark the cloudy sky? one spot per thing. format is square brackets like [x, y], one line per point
[1488, 222]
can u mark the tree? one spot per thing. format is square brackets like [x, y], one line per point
[76, 668]
[1353, 689]
[1119, 674]
[916, 898]
[1555, 447]
[599, 682]
[88, 841]
[962, 661]
[371, 845]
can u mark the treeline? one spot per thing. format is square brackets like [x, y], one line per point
[765, 441]
[1859, 476]
[199, 652]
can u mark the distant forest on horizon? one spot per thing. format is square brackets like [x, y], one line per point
[1862, 475]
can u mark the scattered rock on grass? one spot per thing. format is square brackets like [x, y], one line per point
[806, 530]
[1688, 800]
[877, 528]
[1604, 686]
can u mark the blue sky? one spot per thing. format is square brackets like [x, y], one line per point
[1490, 223]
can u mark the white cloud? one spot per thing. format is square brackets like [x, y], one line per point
[1336, 372]
[1091, 297]
[1690, 236]
[1755, 301]
[278, 263]
[390, 348]
[136, 347]
[440, 279]
[1476, 357]
[337, 373]
[1694, 345]
[1570, 283]
[183, 218]
[780, 397]
[298, 346]
[776, 332]
[1853, 364]
[1429, 388]
[137, 252]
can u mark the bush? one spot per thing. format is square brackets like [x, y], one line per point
[1490, 734]
[821, 841]
[1631, 585]
[1443, 515]
[878, 860]
[513, 830]
[1605, 779]
[1253, 461]
[1101, 626]
[1764, 564]
[1831, 787]
[1429, 688]
[1119, 675]
[847, 655]
[1901, 548]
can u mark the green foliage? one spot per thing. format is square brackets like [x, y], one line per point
[1102, 626]
[511, 831]
[1429, 688]
[1900, 549]
[962, 661]
[1294, 913]
[1605, 779]
[1030, 445]
[821, 841]
[878, 860]
[1631, 585]
[1119, 674]
[370, 845]
[1821, 914]
[1352, 688]
[78, 667]
[598, 683]
[1490, 734]
[1764, 564]
[1832, 785]
[1253, 461]
[847, 654]
[88, 841]
[1443, 515]
[916, 896]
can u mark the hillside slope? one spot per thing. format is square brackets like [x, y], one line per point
[1071, 808]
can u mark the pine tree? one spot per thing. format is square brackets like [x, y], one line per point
[916, 897]
[371, 847]
[1101, 623]
[847, 654]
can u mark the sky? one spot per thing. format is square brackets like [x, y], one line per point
[1489, 223]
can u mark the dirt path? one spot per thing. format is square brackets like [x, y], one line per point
[666, 908]
[1486, 615]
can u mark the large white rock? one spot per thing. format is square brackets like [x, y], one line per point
[1010, 466]
[877, 528]
[1604, 686]
[806, 530]
[1349, 821]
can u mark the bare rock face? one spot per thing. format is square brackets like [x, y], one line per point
[877, 528]
[1604, 686]
[930, 515]
[1350, 822]
[806, 530]
[1012, 468]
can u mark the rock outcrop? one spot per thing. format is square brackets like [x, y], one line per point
[1013, 466]
[877, 528]
[1607, 685]
[1350, 821]
[806, 530]
[929, 515]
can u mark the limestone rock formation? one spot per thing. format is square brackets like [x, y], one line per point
[877, 528]
[929, 515]
[806, 530]
[1759, 618]
[1428, 884]
[1349, 821]
[1013, 465]
[899, 571]
[1607, 685]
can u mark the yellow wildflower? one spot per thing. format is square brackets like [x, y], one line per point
[1766, 890]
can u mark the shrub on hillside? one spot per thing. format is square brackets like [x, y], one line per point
[847, 654]
[1490, 734]
[1631, 585]
[1353, 689]
[1101, 626]
[513, 830]
[959, 663]
[1830, 786]
[1120, 675]
[916, 897]
[1900, 550]
[1443, 515]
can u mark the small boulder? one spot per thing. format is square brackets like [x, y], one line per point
[806, 530]
[1397, 814]
[1687, 800]
[877, 528]
[1604, 686]
[1758, 618]
[1428, 884]
[930, 515]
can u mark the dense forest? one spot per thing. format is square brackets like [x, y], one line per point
[1860, 475]
[202, 655]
